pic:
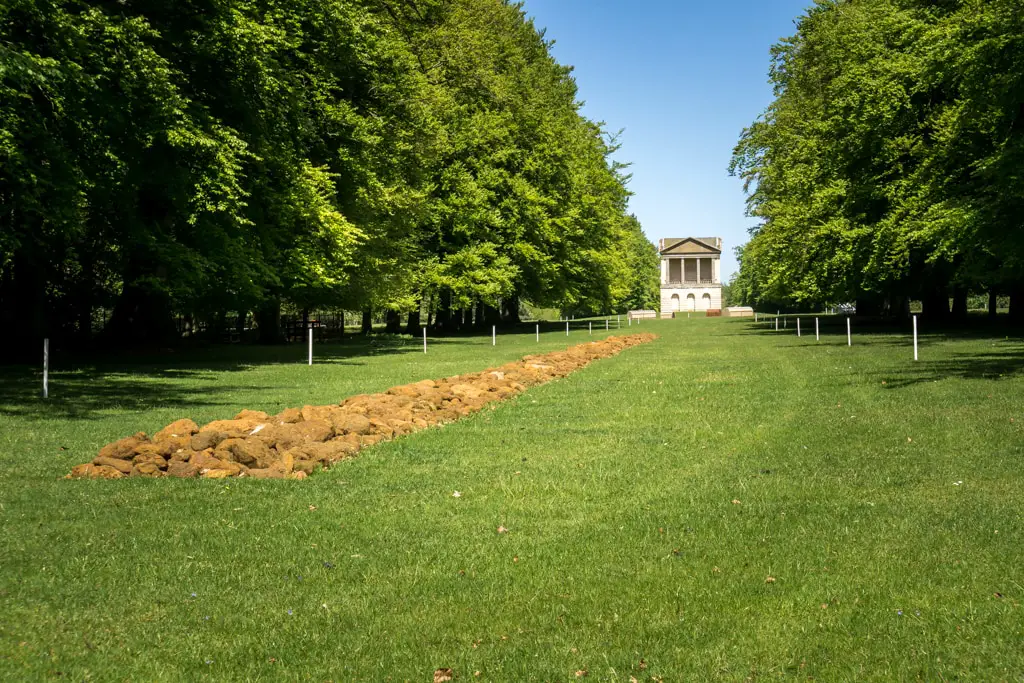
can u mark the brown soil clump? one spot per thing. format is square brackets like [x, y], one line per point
[299, 441]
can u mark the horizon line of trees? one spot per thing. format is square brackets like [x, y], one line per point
[889, 165]
[163, 158]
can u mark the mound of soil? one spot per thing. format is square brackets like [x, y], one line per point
[298, 441]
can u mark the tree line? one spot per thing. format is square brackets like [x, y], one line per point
[163, 158]
[889, 166]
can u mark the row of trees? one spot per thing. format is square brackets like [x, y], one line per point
[889, 166]
[191, 157]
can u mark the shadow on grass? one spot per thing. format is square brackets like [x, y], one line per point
[142, 380]
[1005, 363]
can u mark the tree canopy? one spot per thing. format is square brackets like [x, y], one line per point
[190, 157]
[888, 167]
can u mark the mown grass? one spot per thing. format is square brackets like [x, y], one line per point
[648, 499]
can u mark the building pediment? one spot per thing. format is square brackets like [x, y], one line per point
[690, 246]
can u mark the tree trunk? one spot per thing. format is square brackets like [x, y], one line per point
[960, 304]
[478, 319]
[142, 315]
[1017, 304]
[993, 304]
[935, 305]
[413, 326]
[367, 327]
[394, 322]
[510, 314]
[268, 322]
[443, 318]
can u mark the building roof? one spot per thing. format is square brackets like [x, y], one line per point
[690, 245]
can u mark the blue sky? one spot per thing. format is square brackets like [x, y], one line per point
[683, 78]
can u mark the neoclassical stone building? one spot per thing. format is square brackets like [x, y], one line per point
[690, 274]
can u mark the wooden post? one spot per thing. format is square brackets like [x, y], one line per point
[915, 337]
[46, 368]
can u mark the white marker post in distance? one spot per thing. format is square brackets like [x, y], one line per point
[310, 344]
[798, 328]
[424, 339]
[494, 335]
[566, 327]
[46, 368]
[776, 324]
[915, 337]
[849, 337]
[538, 331]
[606, 323]
[817, 336]
[590, 328]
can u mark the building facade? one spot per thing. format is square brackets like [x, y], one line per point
[690, 274]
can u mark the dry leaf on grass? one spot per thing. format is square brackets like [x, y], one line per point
[502, 530]
[442, 675]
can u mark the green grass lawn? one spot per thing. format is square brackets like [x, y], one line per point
[648, 499]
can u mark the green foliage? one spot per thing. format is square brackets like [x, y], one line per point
[158, 159]
[888, 164]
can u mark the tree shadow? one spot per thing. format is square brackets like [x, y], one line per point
[1003, 364]
[146, 379]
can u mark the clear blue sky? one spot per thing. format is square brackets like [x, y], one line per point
[683, 78]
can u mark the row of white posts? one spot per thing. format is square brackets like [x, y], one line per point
[849, 331]
[494, 339]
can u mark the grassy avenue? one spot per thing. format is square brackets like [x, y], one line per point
[726, 502]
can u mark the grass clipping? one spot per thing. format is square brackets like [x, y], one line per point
[298, 441]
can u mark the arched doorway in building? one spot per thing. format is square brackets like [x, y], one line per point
[705, 302]
[691, 302]
[675, 302]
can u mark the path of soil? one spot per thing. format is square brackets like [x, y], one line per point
[298, 441]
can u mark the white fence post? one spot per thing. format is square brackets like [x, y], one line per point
[310, 344]
[566, 327]
[817, 336]
[424, 339]
[606, 323]
[538, 331]
[46, 368]
[494, 335]
[590, 328]
[849, 337]
[776, 324]
[915, 337]
[798, 328]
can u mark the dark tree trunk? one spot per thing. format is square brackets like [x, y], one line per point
[1017, 304]
[510, 314]
[935, 305]
[444, 310]
[960, 304]
[142, 315]
[492, 316]
[413, 326]
[367, 327]
[240, 324]
[394, 322]
[268, 322]
[481, 313]
[993, 304]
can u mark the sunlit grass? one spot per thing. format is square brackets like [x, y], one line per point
[648, 499]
